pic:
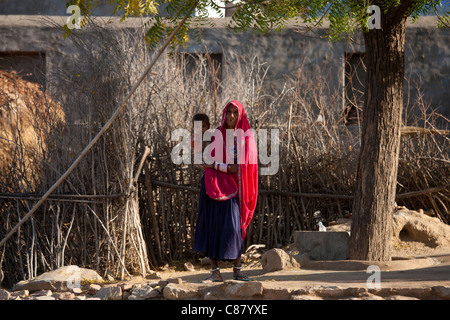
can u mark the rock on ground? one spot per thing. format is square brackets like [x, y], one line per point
[143, 293]
[278, 259]
[235, 290]
[182, 292]
[4, 295]
[109, 293]
[61, 279]
[412, 225]
[240, 290]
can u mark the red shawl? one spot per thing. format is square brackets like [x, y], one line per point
[223, 186]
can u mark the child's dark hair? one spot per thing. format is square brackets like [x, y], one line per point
[200, 117]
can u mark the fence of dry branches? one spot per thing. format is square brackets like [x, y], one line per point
[127, 208]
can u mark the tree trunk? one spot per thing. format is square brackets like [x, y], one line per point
[371, 233]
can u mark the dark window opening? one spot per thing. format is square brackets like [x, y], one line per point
[207, 65]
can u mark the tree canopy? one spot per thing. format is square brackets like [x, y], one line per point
[261, 15]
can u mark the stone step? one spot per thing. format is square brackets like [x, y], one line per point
[254, 290]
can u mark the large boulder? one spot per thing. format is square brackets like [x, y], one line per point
[4, 295]
[61, 279]
[144, 292]
[410, 225]
[278, 259]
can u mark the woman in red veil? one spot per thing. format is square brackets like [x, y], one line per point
[228, 192]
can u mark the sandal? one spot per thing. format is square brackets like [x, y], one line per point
[240, 277]
[211, 279]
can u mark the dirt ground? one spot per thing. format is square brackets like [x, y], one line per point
[413, 263]
[419, 268]
[425, 245]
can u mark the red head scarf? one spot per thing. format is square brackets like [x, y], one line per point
[244, 183]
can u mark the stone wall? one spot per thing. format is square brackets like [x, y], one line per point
[46, 7]
[427, 52]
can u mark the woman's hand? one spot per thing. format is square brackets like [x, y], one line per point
[232, 168]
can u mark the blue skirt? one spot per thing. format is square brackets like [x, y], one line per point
[218, 232]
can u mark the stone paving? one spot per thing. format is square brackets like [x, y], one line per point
[422, 278]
